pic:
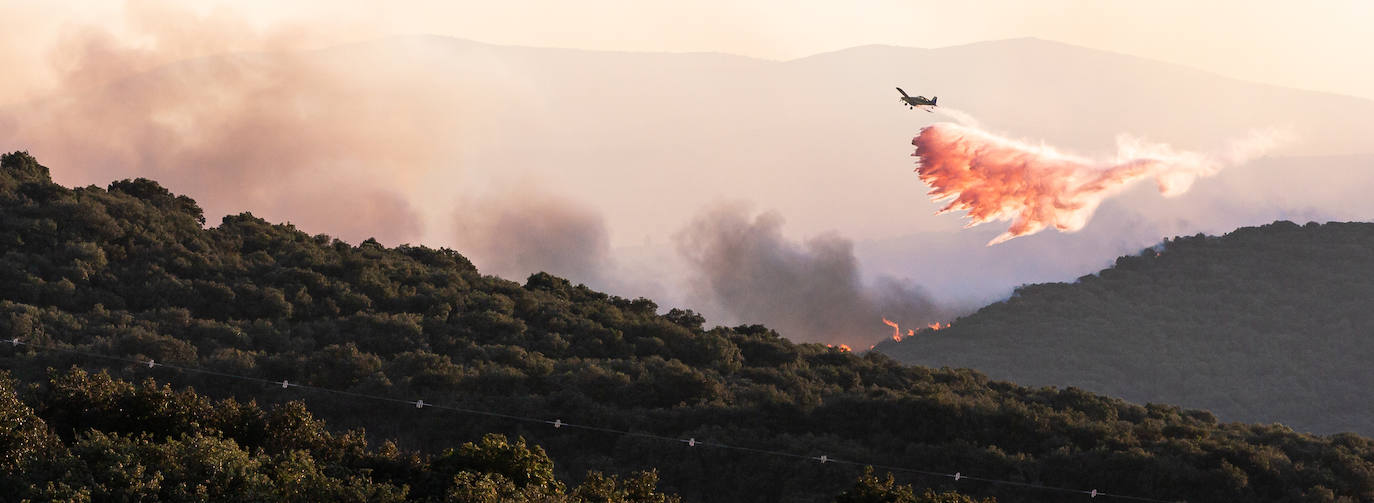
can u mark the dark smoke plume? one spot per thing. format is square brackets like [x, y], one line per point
[810, 291]
[525, 232]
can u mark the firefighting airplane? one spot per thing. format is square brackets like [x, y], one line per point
[918, 101]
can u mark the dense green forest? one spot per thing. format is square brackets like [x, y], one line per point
[1264, 324]
[94, 438]
[90, 437]
[131, 270]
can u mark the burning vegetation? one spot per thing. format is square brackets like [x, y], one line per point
[897, 329]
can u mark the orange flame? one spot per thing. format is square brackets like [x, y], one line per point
[896, 330]
[937, 326]
[1035, 186]
[845, 348]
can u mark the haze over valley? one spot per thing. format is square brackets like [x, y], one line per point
[611, 156]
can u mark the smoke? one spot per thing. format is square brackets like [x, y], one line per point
[1035, 186]
[527, 231]
[384, 215]
[289, 135]
[810, 291]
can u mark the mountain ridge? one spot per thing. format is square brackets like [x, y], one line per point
[1225, 323]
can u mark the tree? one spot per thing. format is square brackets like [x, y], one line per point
[871, 489]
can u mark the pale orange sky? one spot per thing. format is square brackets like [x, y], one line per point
[1311, 45]
[450, 132]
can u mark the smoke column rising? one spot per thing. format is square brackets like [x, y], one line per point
[810, 291]
[526, 231]
[1035, 186]
[290, 134]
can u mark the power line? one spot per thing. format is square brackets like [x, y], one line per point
[558, 423]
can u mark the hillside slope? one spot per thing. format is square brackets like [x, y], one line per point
[1263, 324]
[130, 271]
[86, 437]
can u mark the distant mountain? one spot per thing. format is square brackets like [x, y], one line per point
[1264, 324]
[389, 138]
[131, 271]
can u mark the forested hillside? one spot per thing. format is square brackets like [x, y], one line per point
[89, 437]
[1264, 324]
[131, 271]
[93, 438]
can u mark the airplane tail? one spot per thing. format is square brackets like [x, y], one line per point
[934, 100]
[903, 93]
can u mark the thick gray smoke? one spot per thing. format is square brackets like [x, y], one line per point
[525, 232]
[810, 291]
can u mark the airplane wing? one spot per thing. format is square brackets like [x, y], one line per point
[903, 93]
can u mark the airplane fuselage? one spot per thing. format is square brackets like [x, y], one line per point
[916, 101]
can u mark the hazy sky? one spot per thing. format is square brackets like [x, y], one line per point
[1311, 45]
[505, 154]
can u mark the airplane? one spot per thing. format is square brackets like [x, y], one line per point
[918, 101]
